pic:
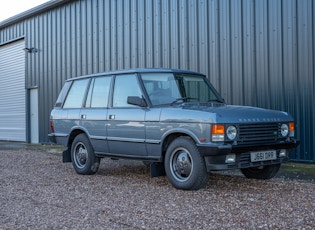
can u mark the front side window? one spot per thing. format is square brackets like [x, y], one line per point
[76, 94]
[167, 88]
[162, 88]
[196, 88]
[125, 86]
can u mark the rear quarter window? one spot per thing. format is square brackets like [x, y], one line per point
[63, 94]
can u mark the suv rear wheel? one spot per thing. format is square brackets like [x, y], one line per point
[184, 166]
[83, 158]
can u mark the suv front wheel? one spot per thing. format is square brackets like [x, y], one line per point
[261, 173]
[83, 158]
[184, 166]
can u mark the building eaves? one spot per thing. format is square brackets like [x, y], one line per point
[32, 12]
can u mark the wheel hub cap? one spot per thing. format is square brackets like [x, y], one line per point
[183, 165]
[81, 156]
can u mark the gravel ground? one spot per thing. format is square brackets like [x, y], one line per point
[38, 191]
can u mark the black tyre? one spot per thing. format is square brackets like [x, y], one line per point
[83, 158]
[184, 166]
[261, 173]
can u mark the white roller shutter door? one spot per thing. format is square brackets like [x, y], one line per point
[12, 92]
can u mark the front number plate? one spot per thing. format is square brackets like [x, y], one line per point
[263, 155]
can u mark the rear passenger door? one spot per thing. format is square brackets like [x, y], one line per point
[69, 116]
[93, 115]
[126, 128]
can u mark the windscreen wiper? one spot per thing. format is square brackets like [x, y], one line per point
[183, 99]
[216, 100]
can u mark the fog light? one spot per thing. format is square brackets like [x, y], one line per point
[283, 153]
[230, 158]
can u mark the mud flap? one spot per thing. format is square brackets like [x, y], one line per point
[157, 169]
[66, 156]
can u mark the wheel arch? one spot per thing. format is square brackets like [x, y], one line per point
[75, 132]
[66, 155]
[172, 135]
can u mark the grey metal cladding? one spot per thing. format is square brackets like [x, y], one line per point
[255, 52]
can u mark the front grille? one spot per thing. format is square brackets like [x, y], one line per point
[263, 133]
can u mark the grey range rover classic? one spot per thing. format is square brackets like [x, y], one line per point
[173, 120]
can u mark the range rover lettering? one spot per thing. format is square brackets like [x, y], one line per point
[173, 120]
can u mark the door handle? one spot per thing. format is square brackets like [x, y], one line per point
[111, 117]
[83, 116]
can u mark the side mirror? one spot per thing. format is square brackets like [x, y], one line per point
[134, 100]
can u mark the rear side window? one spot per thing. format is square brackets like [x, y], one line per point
[76, 94]
[98, 93]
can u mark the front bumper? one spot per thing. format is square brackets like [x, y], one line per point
[215, 155]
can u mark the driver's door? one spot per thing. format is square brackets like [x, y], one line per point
[126, 127]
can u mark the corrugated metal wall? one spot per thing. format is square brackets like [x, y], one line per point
[255, 52]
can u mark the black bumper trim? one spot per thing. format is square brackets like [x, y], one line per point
[285, 145]
[215, 155]
[212, 166]
[224, 149]
[52, 138]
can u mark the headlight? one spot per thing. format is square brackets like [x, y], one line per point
[231, 132]
[284, 130]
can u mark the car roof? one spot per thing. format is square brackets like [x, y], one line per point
[146, 70]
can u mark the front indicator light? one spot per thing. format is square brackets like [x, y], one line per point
[291, 128]
[217, 132]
